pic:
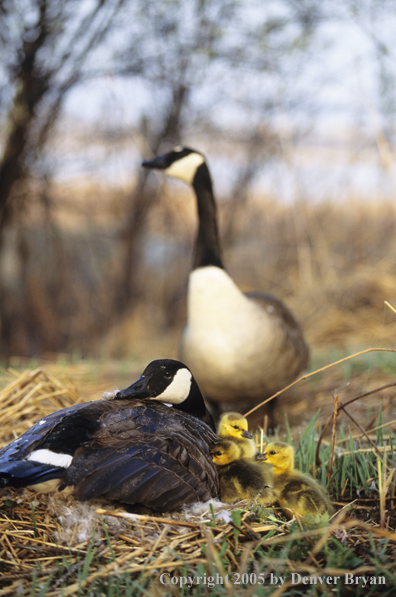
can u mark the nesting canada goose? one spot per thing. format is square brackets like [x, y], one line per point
[132, 448]
[295, 490]
[241, 347]
[241, 478]
[234, 426]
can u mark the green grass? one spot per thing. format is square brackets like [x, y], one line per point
[380, 361]
[305, 548]
[256, 563]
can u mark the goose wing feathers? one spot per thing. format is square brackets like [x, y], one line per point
[158, 458]
[288, 326]
[61, 432]
[133, 451]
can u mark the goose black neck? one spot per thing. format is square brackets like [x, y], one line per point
[207, 249]
[194, 405]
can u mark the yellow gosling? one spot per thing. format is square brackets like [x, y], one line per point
[234, 426]
[295, 491]
[241, 478]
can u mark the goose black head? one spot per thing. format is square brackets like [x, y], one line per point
[189, 165]
[170, 382]
[182, 163]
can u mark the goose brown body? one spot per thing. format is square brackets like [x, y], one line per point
[295, 491]
[242, 347]
[135, 451]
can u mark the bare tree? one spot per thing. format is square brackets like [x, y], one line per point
[200, 62]
[194, 57]
[46, 44]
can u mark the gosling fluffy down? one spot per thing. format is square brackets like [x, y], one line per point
[241, 478]
[295, 491]
[234, 426]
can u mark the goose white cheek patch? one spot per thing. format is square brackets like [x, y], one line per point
[178, 389]
[48, 457]
[185, 168]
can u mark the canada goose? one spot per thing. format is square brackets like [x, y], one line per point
[234, 426]
[241, 347]
[241, 478]
[131, 448]
[295, 490]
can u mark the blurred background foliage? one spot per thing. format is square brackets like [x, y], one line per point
[293, 103]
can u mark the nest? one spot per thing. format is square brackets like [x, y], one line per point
[43, 531]
[30, 396]
[70, 545]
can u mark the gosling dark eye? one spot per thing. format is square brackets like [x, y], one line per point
[272, 452]
[236, 427]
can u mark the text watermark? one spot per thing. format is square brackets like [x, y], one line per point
[259, 579]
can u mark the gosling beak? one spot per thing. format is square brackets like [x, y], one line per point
[247, 434]
[261, 457]
[139, 389]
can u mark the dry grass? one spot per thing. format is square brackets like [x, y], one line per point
[333, 263]
[145, 546]
[136, 542]
[361, 383]
[30, 396]
[75, 545]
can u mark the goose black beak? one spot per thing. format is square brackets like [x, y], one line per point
[160, 162]
[247, 434]
[139, 389]
[261, 457]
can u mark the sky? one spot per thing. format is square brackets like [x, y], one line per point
[335, 149]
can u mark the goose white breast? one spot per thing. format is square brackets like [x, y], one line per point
[241, 347]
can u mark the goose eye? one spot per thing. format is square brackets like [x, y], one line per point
[167, 375]
[273, 452]
[236, 427]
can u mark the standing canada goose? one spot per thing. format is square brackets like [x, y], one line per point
[132, 448]
[234, 426]
[241, 347]
[241, 478]
[295, 490]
